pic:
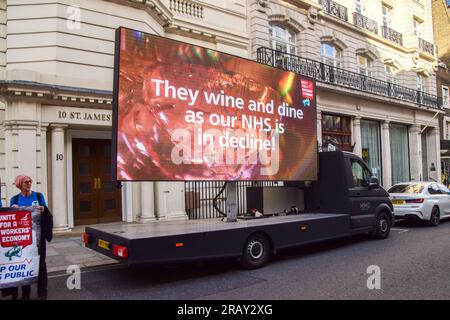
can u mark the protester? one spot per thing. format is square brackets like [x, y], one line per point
[27, 198]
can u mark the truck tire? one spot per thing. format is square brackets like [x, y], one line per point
[382, 226]
[256, 251]
[435, 217]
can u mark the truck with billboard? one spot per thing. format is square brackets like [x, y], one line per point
[187, 113]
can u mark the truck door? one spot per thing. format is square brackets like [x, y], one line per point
[442, 197]
[364, 200]
[446, 198]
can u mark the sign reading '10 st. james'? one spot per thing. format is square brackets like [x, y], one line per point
[183, 112]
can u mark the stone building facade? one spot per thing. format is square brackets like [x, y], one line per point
[441, 22]
[376, 76]
[56, 80]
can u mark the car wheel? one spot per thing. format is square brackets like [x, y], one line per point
[435, 217]
[256, 251]
[382, 227]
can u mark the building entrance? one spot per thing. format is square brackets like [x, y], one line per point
[96, 197]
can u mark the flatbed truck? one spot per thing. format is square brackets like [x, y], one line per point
[345, 200]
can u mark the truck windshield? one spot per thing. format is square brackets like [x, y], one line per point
[361, 175]
[407, 188]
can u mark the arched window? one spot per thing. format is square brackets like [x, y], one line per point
[331, 55]
[420, 81]
[364, 65]
[282, 39]
[391, 72]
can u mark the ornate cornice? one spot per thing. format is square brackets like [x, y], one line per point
[191, 32]
[54, 94]
[288, 21]
[334, 39]
[368, 52]
[154, 8]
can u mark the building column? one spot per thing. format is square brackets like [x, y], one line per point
[147, 202]
[130, 201]
[435, 154]
[319, 128]
[258, 25]
[415, 153]
[386, 154]
[10, 157]
[357, 135]
[169, 201]
[43, 159]
[21, 154]
[59, 185]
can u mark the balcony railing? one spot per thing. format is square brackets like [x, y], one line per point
[426, 46]
[365, 23]
[334, 9]
[337, 76]
[187, 8]
[392, 35]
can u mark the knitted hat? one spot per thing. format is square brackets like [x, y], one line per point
[21, 179]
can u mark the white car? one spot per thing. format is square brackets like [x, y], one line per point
[428, 201]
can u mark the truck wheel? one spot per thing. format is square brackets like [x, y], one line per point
[435, 217]
[256, 251]
[382, 227]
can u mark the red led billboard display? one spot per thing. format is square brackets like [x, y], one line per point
[184, 112]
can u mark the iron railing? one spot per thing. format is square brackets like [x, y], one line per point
[392, 35]
[344, 78]
[334, 9]
[426, 46]
[365, 23]
[199, 196]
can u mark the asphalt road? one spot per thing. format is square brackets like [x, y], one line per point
[414, 263]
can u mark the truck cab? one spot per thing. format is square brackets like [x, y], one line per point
[347, 186]
[344, 201]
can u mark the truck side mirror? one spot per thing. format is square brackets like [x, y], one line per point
[373, 182]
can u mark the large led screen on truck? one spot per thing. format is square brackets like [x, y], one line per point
[184, 112]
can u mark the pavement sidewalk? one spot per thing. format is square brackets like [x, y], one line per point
[67, 249]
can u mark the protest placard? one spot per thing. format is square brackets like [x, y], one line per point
[19, 240]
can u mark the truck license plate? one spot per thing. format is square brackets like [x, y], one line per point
[103, 244]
